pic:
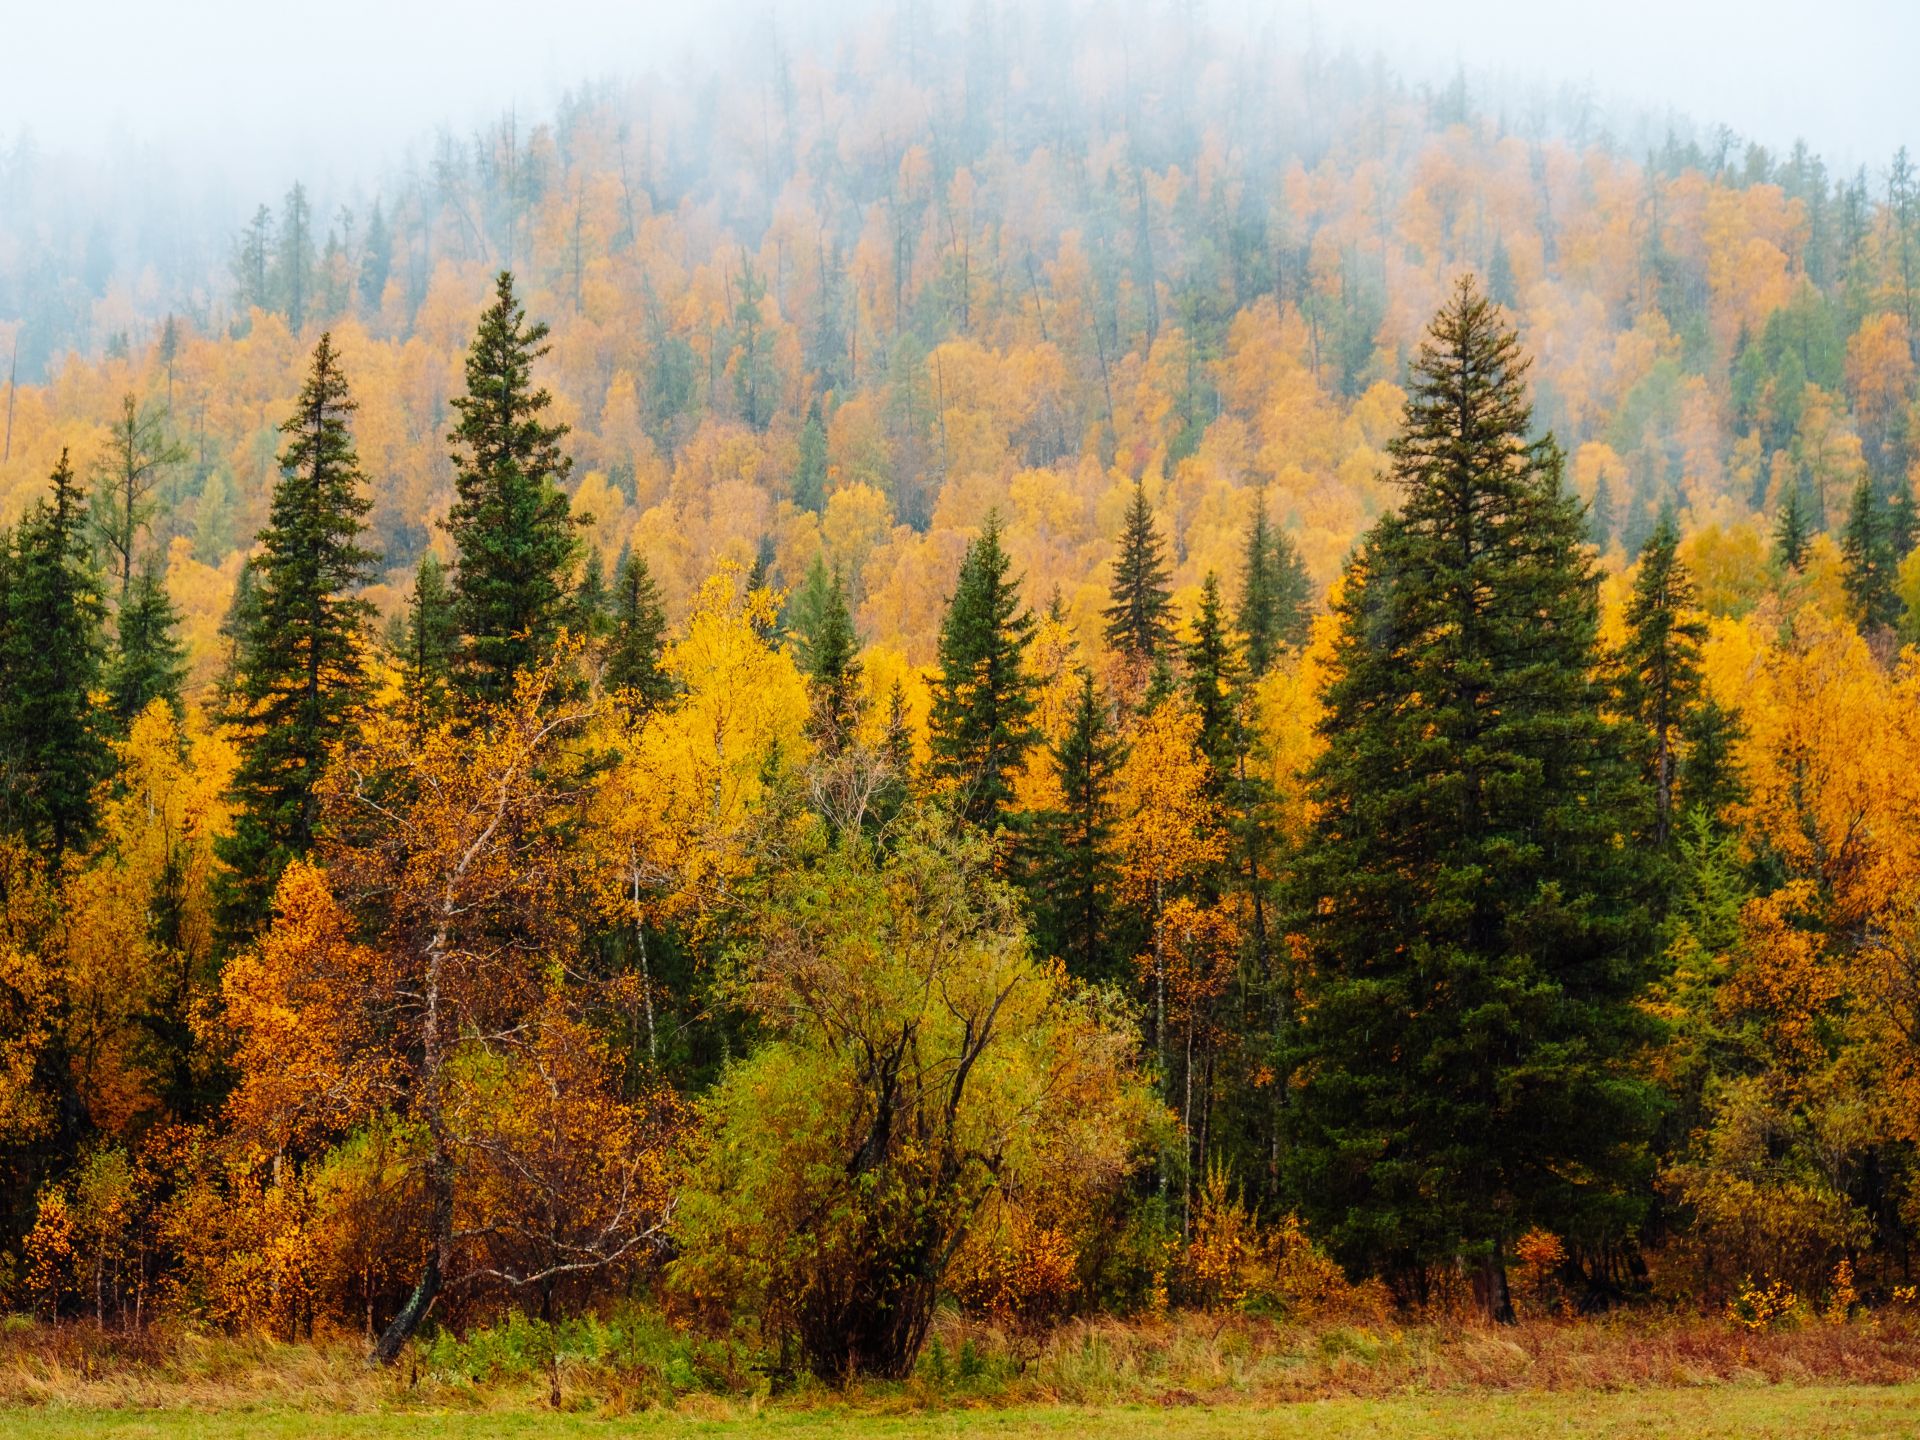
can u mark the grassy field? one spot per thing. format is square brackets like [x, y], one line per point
[1184, 1377]
[1855, 1413]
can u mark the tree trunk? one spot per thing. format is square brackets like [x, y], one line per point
[439, 1174]
[1493, 1283]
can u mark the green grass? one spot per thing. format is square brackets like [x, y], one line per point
[1806, 1413]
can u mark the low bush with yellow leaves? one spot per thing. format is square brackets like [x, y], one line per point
[1233, 1260]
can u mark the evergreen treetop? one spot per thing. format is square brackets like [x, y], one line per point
[52, 754]
[1073, 863]
[149, 661]
[829, 653]
[1660, 661]
[1792, 531]
[1868, 561]
[510, 521]
[1140, 615]
[428, 642]
[638, 638]
[1276, 594]
[983, 697]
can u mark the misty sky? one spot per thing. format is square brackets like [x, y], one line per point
[253, 87]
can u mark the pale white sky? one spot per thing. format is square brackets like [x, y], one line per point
[1840, 73]
[275, 86]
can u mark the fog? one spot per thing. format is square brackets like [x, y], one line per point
[235, 93]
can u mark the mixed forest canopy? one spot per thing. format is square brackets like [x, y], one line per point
[909, 678]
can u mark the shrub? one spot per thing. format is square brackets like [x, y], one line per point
[920, 1063]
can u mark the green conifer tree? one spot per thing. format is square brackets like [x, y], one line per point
[983, 697]
[1139, 619]
[1660, 663]
[376, 260]
[890, 796]
[510, 521]
[1600, 519]
[810, 477]
[1276, 595]
[149, 661]
[1072, 871]
[301, 675]
[638, 638]
[1476, 930]
[52, 656]
[830, 654]
[1867, 562]
[243, 610]
[592, 601]
[1901, 522]
[1792, 532]
[428, 643]
[1709, 773]
[1212, 676]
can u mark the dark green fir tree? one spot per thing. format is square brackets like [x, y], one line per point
[592, 601]
[1212, 682]
[810, 475]
[829, 652]
[149, 661]
[1072, 867]
[1600, 519]
[1792, 531]
[1868, 561]
[427, 644]
[1140, 615]
[510, 520]
[301, 679]
[52, 658]
[1660, 664]
[1276, 596]
[638, 638]
[1475, 927]
[983, 698]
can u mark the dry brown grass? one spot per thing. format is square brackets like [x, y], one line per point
[1181, 1360]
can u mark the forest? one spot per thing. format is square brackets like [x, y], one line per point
[913, 681]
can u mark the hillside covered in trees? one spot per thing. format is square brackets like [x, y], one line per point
[1180, 675]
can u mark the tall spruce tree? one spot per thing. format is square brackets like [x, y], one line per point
[1792, 531]
[1140, 615]
[428, 640]
[830, 655]
[149, 661]
[592, 601]
[1868, 562]
[510, 521]
[301, 677]
[1212, 675]
[1276, 596]
[1902, 522]
[376, 260]
[1476, 928]
[52, 654]
[1660, 663]
[810, 476]
[890, 796]
[1600, 513]
[1072, 868]
[638, 638]
[983, 698]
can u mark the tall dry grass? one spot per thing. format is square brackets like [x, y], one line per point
[636, 1362]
